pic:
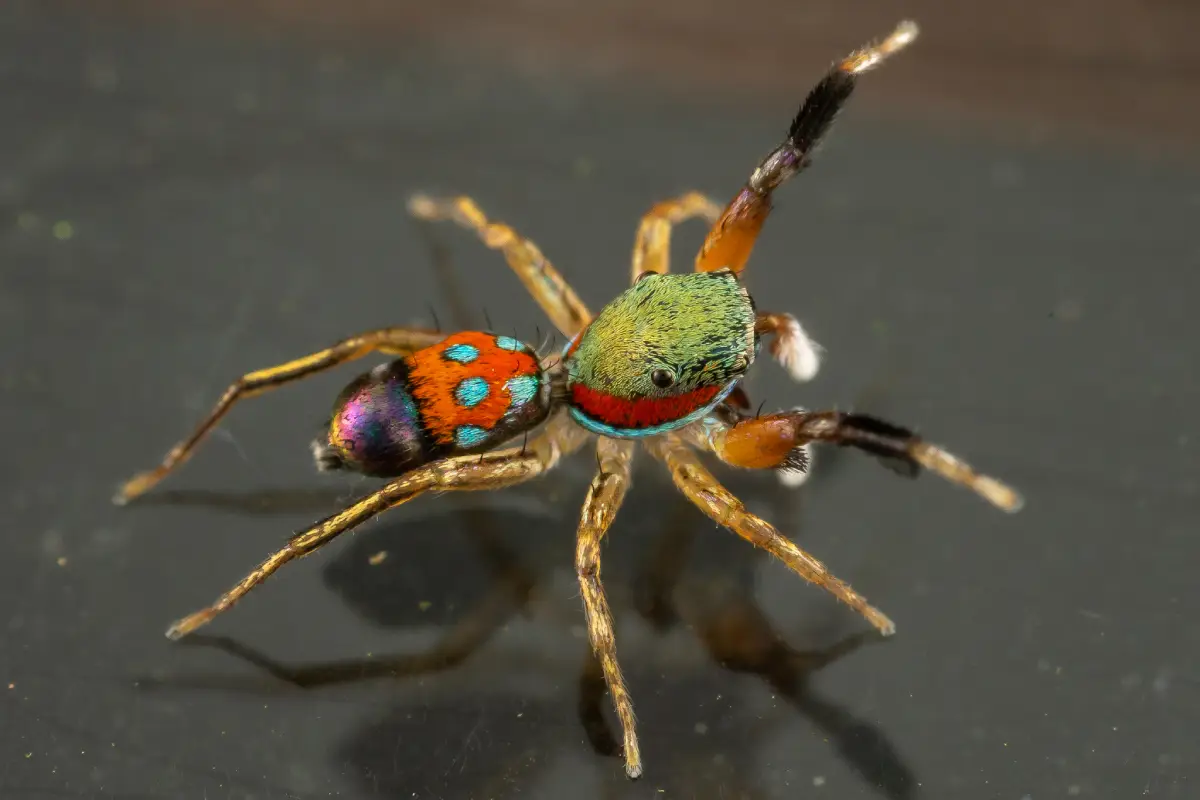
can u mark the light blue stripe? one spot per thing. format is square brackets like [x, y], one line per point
[470, 392]
[595, 426]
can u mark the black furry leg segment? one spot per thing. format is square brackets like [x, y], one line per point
[731, 239]
[901, 450]
[821, 107]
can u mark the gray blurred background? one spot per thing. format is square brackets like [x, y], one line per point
[997, 246]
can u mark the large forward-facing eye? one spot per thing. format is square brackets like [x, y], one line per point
[662, 378]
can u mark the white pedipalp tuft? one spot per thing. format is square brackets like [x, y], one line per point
[796, 351]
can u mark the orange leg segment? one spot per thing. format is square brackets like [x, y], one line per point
[732, 238]
[776, 441]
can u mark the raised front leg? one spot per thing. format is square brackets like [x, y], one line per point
[732, 238]
[393, 341]
[539, 276]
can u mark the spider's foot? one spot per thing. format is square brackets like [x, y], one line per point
[190, 623]
[881, 621]
[954, 469]
[136, 486]
[423, 206]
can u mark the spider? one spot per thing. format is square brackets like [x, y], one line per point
[659, 366]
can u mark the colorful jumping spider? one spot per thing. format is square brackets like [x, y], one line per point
[658, 366]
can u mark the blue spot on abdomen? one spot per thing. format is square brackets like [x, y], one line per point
[470, 392]
[523, 389]
[468, 436]
[509, 343]
[461, 353]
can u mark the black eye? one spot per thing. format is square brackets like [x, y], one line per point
[662, 378]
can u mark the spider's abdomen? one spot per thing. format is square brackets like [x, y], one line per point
[662, 354]
[468, 393]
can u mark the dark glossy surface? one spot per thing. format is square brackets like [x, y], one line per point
[183, 204]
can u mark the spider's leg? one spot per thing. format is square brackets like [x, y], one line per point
[604, 498]
[776, 441]
[494, 470]
[509, 592]
[652, 248]
[393, 341]
[541, 279]
[732, 238]
[790, 345]
[706, 492]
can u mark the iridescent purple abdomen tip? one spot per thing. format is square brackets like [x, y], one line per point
[375, 428]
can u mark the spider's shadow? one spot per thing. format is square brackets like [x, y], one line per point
[470, 597]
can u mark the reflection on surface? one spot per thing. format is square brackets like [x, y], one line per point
[505, 598]
[310, 500]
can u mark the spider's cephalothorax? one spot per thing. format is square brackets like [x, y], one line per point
[465, 394]
[656, 369]
[661, 355]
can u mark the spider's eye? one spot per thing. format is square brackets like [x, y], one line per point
[662, 378]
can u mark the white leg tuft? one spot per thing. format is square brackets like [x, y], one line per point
[795, 350]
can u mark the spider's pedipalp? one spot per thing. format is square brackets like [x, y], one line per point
[791, 345]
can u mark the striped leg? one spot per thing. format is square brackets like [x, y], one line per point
[732, 238]
[495, 470]
[603, 500]
[543, 281]
[393, 341]
[706, 492]
[652, 248]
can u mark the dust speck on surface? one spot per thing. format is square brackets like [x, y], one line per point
[378, 558]
[1007, 173]
[52, 543]
[101, 75]
[1068, 310]
[583, 167]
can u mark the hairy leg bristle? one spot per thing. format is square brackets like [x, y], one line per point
[797, 467]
